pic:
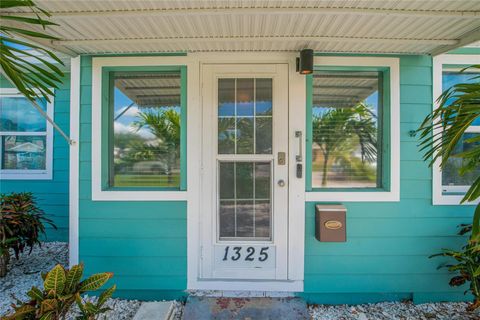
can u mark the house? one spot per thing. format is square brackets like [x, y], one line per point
[201, 152]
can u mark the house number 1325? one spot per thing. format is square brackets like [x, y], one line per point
[249, 254]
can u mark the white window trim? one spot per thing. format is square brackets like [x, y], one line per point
[119, 195]
[371, 196]
[19, 174]
[438, 197]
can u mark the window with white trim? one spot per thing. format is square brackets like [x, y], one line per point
[449, 185]
[353, 129]
[25, 138]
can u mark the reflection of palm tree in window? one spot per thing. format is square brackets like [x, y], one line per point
[165, 126]
[340, 132]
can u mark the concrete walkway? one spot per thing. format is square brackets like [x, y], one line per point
[206, 308]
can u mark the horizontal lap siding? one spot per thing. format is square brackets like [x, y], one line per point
[52, 195]
[388, 243]
[144, 243]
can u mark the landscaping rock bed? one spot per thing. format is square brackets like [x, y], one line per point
[394, 311]
[26, 272]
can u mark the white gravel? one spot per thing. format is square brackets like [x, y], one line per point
[25, 273]
[393, 311]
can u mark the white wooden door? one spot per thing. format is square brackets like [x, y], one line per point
[244, 196]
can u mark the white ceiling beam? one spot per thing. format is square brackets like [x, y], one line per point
[133, 41]
[470, 14]
[465, 40]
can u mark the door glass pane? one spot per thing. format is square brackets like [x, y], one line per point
[245, 100]
[247, 214]
[263, 97]
[263, 141]
[226, 135]
[245, 135]
[245, 116]
[226, 97]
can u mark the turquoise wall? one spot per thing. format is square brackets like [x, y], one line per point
[143, 243]
[388, 243]
[52, 195]
[385, 257]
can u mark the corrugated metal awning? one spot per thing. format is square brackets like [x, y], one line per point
[401, 27]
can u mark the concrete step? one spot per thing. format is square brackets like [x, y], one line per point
[157, 310]
[206, 308]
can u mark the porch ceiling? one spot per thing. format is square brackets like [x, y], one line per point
[350, 26]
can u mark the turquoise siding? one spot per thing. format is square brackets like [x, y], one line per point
[52, 194]
[385, 257]
[143, 243]
[388, 244]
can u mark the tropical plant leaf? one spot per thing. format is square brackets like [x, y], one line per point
[79, 302]
[48, 305]
[29, 20]
[90, 308]
[107, 294]
[25, 32]
[35, 294]
[48, 316]
[95, 281]
[21, 312]
[476, 221]
[55, 280]
[4, 4]
[73, 278]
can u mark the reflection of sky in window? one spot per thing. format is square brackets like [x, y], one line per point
[124, 123]
[450, 79]
[18, 114]
[227, 109]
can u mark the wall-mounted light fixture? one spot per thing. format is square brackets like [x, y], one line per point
[305, 62]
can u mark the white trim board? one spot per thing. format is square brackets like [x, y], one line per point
[371, 196]
[21, 174]
[438, 197]
[73, 234]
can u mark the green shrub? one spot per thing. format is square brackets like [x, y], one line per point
[21, 225]
[63, 288]
[467, 266]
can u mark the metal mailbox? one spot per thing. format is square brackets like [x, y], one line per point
[330, 223]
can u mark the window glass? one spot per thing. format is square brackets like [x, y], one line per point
[346, 121]
[450, 174]
[145, 149]
[18, 115]
[24, 152]
[23, 134]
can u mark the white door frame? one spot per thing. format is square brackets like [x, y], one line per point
[296, 216]
[275, 267]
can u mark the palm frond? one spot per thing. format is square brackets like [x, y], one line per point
[34, 77]
[444, 129]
